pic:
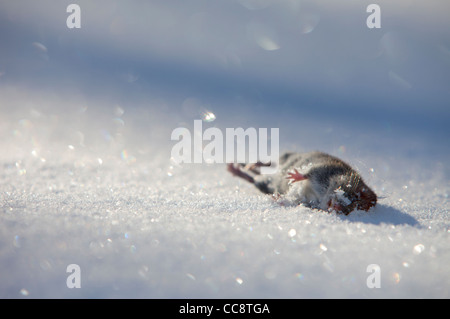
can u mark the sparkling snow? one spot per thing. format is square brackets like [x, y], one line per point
[82, 188]
[86, 178]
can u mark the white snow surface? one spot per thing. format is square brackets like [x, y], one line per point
[94, 186]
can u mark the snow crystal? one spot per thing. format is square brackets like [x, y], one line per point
[86, 176]
[139, 226]
[341, 196]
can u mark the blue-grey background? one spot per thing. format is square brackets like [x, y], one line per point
[86, 177]
[292, 60]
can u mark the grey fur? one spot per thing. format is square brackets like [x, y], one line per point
[328, 180]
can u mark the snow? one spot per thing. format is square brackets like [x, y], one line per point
[86, 177]
[140, 226]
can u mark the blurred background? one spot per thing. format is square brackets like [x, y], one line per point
[86, 117]
[312, 68]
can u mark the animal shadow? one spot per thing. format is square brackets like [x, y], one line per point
[382, 214]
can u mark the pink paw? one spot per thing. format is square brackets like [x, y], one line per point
[295, 176]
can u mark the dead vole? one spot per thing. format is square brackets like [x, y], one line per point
[315, 179]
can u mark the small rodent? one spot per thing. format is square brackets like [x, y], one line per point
[314, 179]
